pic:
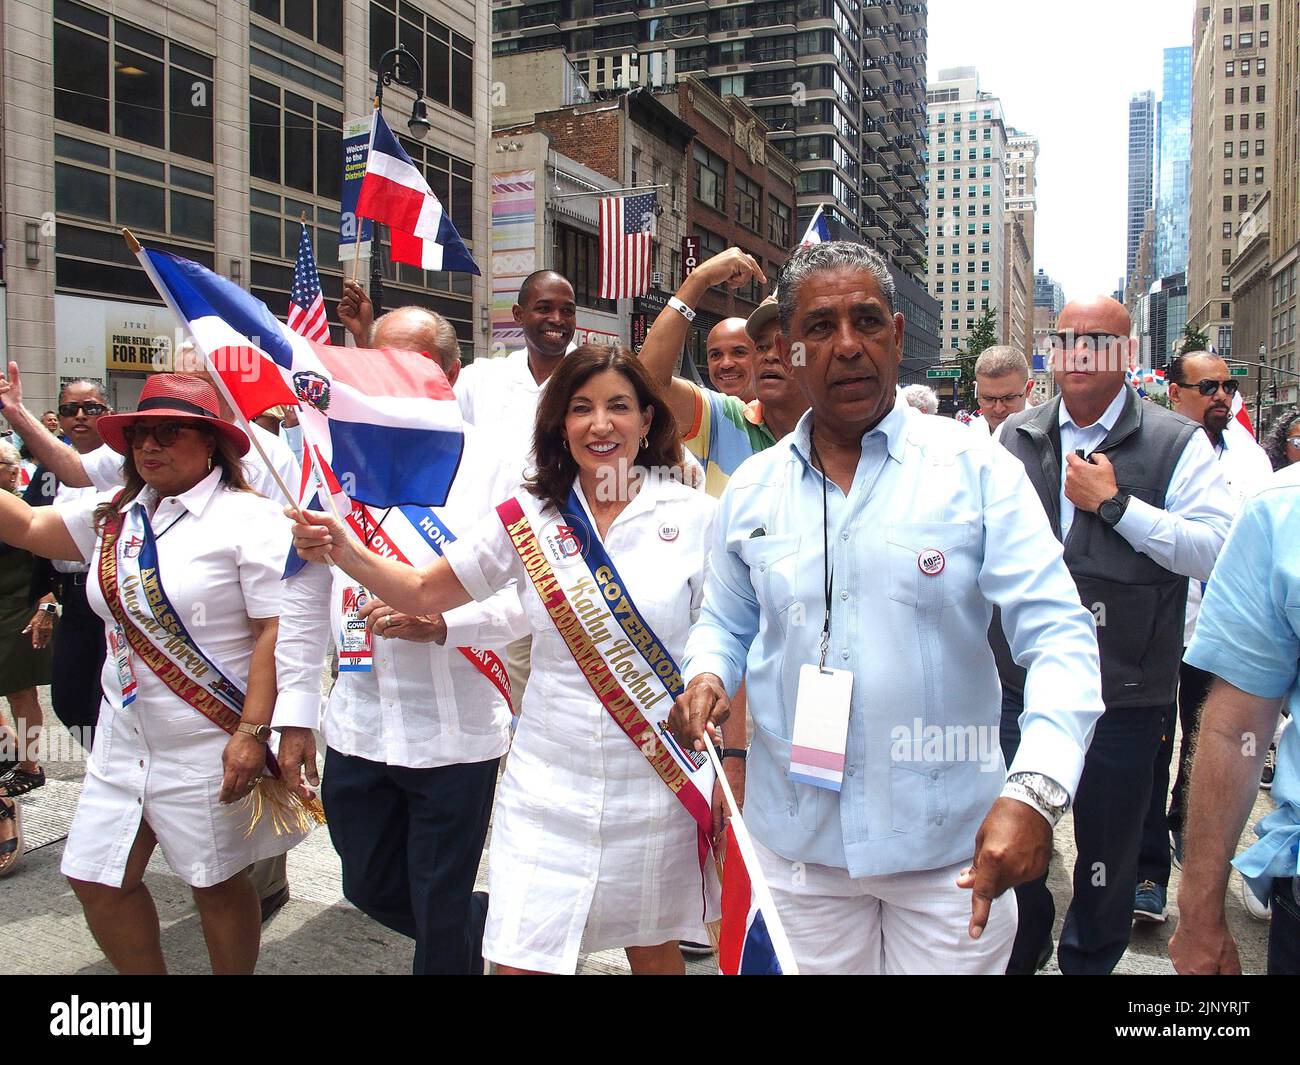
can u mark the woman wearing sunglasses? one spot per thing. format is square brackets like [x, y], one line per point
[185, 565]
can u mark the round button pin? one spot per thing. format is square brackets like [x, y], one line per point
[930, 561]
[668, 532]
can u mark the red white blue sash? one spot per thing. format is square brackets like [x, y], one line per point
[414, 536]
[623, 660]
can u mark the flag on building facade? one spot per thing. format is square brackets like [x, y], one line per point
[306, 305]
[395, 193]
[626, 242]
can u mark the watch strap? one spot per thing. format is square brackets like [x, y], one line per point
[735, 752]
[258, 732]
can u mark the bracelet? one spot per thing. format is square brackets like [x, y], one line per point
[735, 752]
[681, 308]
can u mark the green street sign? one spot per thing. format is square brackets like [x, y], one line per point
[955, 371]
[1239, 371]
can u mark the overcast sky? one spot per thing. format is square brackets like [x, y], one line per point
[1065, 72]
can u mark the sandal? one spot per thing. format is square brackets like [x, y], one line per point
[11, 850]
[21, 781]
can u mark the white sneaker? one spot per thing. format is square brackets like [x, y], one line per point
[1261, 911]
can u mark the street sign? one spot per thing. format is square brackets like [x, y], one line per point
[1239, 371]
[954, 371]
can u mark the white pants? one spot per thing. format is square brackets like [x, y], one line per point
[913, 923]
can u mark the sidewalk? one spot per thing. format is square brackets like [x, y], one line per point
[318, 931]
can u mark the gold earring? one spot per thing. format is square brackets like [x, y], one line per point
[645, 442]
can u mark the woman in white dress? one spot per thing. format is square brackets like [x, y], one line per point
[185, 565]
[591, 848]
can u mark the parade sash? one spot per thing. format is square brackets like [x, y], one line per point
[432, 534]
[156, 634]
[627, 666]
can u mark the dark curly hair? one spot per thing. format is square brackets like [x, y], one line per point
[1275, 441]
[556, 467]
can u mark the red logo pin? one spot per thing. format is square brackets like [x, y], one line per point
[930, 561]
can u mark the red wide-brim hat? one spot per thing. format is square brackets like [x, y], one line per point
[177, 396]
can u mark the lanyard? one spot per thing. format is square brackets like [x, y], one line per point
[828, 574]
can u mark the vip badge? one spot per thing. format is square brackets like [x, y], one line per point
[930, 561]
[668, 532]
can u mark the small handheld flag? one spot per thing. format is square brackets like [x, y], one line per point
[306, 306]
[818, 231]
[395, 193]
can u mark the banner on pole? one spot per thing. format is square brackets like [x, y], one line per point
[356, 145]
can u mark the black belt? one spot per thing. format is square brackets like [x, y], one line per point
[76, 580]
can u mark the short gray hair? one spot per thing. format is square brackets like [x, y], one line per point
[922, 397]
[437, 336]
[9, 453]
[1000, 360]
[832, 255]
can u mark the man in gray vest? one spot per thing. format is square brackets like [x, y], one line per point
[1137, 499]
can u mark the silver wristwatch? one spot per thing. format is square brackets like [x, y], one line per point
[1041, 792]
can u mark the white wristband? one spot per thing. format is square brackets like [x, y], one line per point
[681, 308]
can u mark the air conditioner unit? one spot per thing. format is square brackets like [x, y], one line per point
[657, 279]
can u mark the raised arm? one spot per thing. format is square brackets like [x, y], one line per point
[40, 530]
[57, 457]
[434, 589]
[663, 345]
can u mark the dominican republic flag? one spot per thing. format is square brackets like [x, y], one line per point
[753, 941]
[1241, 415]
[306, 306]
[626, 242]
[818, 231]
[395, 193]
[385, 421]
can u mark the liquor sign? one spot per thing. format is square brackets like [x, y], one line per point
[690, 255]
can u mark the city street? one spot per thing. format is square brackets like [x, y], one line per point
[319, 932]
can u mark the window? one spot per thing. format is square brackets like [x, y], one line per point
[1245, 68]
[160, 93]
[1243, 175]
[1263, 38]
[1245, 94]
[984, 227]
[731, 85]
[1259, 94]
[1227, 257]
[1259, 69]
[710, 178]
[1227, 149]
[1245, 40]
[1259, 119]
[1227, 42]
[1227, 228]
[748, 200]
[1227, 177]
[1259, 175]
[1225, 283]
[1228, 97]
[778, 222]
[1241, 202]
[1227, 15]
[1229, 68]
[294, 141]
[1227, 123]
[447, 57]
[984, 247]
[1227, 206]
[325, 28]
[1259, 147]
[1244, 149]
[1263, 12]
[1246, 14]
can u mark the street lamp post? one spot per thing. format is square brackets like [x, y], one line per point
[399, 66]
[1259, 386]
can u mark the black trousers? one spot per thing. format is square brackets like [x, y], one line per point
[1109, 807]
[1153, 862]
[78, 658]
[410, 841]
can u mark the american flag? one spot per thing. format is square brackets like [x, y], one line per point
[306, 307]
[625, 244]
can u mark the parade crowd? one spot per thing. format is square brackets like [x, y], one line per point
[913, 644]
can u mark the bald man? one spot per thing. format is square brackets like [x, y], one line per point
[1130, 551]
[730, 354]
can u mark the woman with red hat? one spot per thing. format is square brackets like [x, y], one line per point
[185, 565]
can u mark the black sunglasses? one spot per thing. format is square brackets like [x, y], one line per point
[69, 410]
[1208, 386]
[164, 434]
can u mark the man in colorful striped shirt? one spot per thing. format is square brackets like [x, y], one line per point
[722, 431]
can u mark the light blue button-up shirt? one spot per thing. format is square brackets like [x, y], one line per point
[922, 763]
[1249, 634]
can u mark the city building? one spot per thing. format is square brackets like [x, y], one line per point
[1016, 317]
[210, 130]
[1048, 293]
[840, 86]
[1160, 317]
[1284, 230]
[1234, 89]
[1142, 276]
[1173, 162]
[1252, 303]
[1022, 207]
[967, 205]
[1141, 169]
